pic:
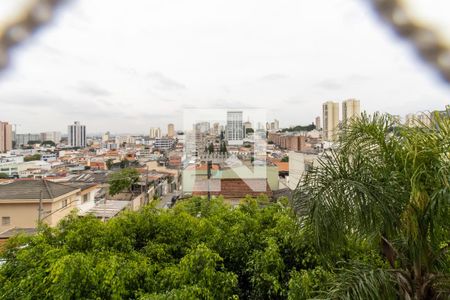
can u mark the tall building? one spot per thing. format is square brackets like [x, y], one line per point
[330, 115]
[5, 136]
[317, 123]
[276, 124]
[76, 135]
[22, 139]
[105, 137]
[216, 129]
[350, 108]
[54, 136]
[235, 128]
[170, 130]
[155, 132]
[420, 119]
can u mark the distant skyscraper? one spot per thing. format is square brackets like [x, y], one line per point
[350, 109]
[330, 116]
[317, 123]
[105, 137]
[276, 124]
[202, 127]
[170, 130]
[155, 132]
[235, 128]
[76, 135]
[420, 119]
[5, 136]
[216, 129]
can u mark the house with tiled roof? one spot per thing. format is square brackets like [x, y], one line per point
[24, 202]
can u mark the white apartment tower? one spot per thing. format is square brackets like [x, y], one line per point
[350, 108]
[235, 128]
[76, 135]
[330, 116]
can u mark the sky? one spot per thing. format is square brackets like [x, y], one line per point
[125, 66]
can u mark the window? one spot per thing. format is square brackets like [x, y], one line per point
[6, 220]
[85, 198]
[64, 203]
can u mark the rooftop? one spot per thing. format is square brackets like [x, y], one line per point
[31, 189]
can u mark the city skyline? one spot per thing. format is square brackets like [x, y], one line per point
[75, 69]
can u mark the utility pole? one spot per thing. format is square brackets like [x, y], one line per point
[209, 179]
[146, 187]
[40, 207]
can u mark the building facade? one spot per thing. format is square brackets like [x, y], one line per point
[76, 135]
[155, 132]
[53, 136]
[235, 128]
[350, 109]
[330, 116]
[6, 137]
[171, 130]
[317, 123]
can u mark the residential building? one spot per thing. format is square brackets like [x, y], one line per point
[53, 136]
[330, 111]
[5, 137]
[276, 124]
[105, 137]
[235, 129]
[171, 130]
[24, 202]
[202, 128]
[76, 135]
[22, 139]
[155, 132]
[299, 163]
[164, 143]
[350, 109]
[420, 119]
[317, 123]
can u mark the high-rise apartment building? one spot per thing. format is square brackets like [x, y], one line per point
[317, 123]
[330, 115]
[76, 135]
[276, 124]
[105, 137]
[53, 136]
[155, 132]
[350, 108]
[235, 128]
[5, 136]
[170, 130]
[420, 119]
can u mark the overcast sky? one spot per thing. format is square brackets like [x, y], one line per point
[126, 66]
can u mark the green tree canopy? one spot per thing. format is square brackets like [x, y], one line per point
[36, 156]
[199, 249]
[388, 185]
[122, 180]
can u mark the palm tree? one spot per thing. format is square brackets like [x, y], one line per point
[388, 185]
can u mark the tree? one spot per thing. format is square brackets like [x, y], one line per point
[109, 163]
[386, 185]
[249, 130]
[199, 249]
[122, 180]
[210, 148]
[4, 176]
[36, 156]
[49, 143]
[285, 159]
